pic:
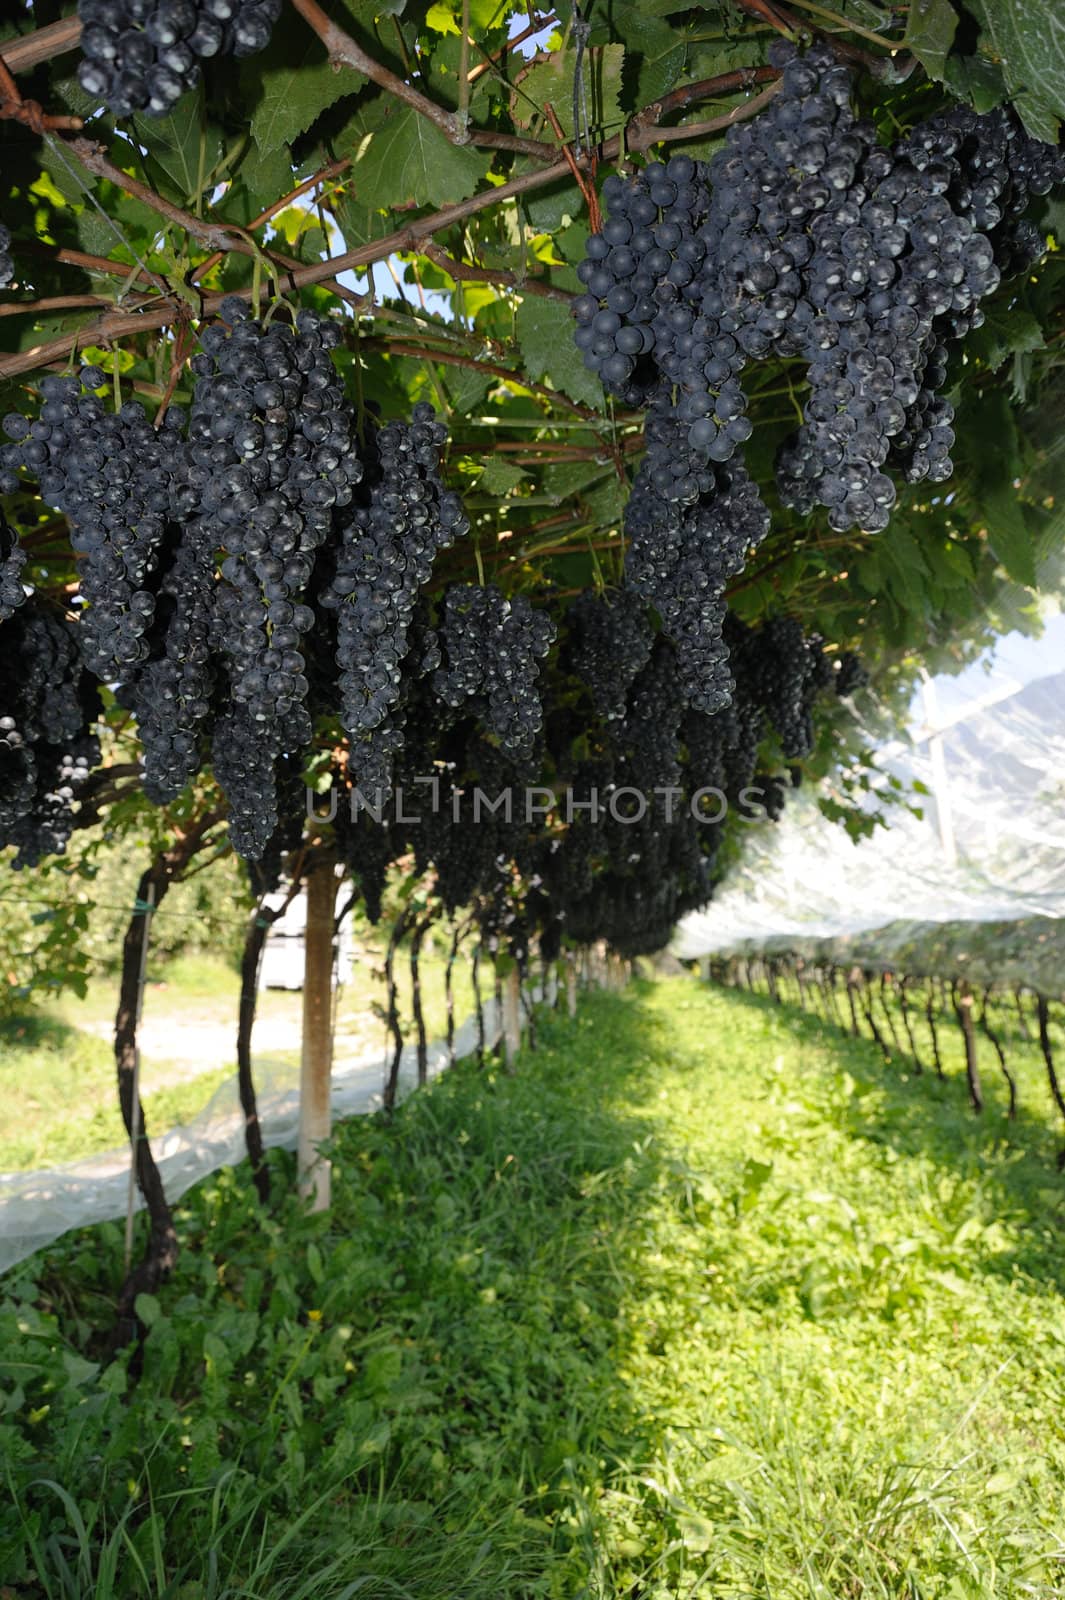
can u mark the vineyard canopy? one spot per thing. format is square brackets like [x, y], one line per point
[426, 179]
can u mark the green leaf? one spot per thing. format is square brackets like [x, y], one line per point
[147, 1309]
[976, 80]
[446, 15]
[183, 143]
[409, 161]
[549, 207]
[1027, 38]
[606, 502]
[466, 388]
[1008, 532]
[267, 174]
[297, 81]
[654, 55]
[562, 479]
[500, 476]
[360, 223]
[1007, 330]
[550, 82]
[930, 33]
[545, 334]
[441, 19]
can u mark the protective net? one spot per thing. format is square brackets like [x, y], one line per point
[987, 850]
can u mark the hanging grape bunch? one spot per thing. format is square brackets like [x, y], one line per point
[404, 516]
[608, 641]
[12, 561]
[110, 473]
[48, 746]
[143, 55]
[492, 648]
[802, 237]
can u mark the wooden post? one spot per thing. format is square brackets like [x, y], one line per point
[511, 1015]
[571, 983]
[316, 1069]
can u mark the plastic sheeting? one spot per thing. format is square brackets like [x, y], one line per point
[990, 846]
[38, 1207]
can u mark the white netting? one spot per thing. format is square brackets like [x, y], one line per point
[989, 848]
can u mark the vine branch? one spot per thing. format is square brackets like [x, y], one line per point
[642, 133]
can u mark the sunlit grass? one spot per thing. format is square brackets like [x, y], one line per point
[705, 1299]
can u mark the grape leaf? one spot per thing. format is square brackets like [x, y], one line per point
[545, 334]
[562, 479]
[1007, 330]
[466, 388]
[267, 174]
[358, 222]
[500, 476]
[1007, 530]
[930, 33]
[654, 58]
[184, 144]
[1028, 38]
[296, 81]
[546, 208]
[408, 160]
[550, 82]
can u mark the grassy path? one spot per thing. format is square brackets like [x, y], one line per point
[703, 1301]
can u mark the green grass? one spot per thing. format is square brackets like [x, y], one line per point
[704, 1300]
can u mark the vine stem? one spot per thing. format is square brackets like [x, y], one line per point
[462, 114]
[15, 107]
[397, 347]
[343, 48]
[463, 272]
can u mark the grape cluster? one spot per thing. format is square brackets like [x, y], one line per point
[266, 871]
[403, 517]
[803, 237]
[649, 732]
[273, 458]
[12, 561]
[608, 640]
[231, 555]
[171, 695]
[783, 671]
[7, 265]
[143, 55]
[655, 328]
[680, 558]
[769, 791]
[366, 848]
[492, 648]
[110, 473]
[47, 745]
